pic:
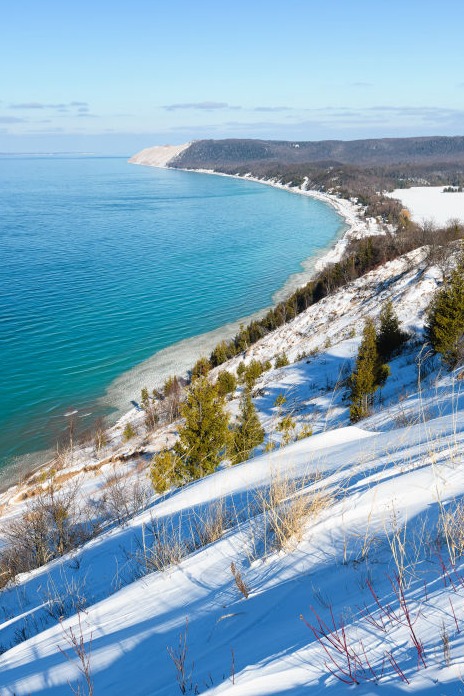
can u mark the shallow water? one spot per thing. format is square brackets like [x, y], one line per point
[104, 264]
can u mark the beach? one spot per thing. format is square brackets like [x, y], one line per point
[179, 357]
[105, 358]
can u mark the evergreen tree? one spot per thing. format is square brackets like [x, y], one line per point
[201, 368]
[369, 374]
[166, 470]
[445, 324]
[282, 360]
[204, 436]
[390, 336]
[248, 433]
[253, 371]
[226, 382]
[144, 398]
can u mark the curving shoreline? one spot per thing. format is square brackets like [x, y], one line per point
[193, 348]
[350, 211]
[190, 349]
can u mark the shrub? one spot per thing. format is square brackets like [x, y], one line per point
[281, 361]
[123, 497]
[287, 427]
[252, 372]
[201, 368]
[306, 431]
[172, 397]
[226, 383]
[240, 370]
[129, 432]
[50, 527]
[166, 470]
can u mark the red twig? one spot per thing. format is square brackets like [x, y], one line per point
[454, 615]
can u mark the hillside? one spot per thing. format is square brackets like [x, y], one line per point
[346, 544]
[356, 168]
[220, 154]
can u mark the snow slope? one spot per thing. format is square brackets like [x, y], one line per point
[370, 589]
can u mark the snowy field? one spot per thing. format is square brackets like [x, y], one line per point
[368, 588]
[430, 204]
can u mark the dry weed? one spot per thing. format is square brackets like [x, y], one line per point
[287, 507]
[210, 523]
[239, 581]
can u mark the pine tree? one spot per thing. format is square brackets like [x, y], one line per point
[369, 374]
[201, 368]
[248, 433]
[166, 470]
[204, 436]
[445, 324]
[226, 382]
[390, 336]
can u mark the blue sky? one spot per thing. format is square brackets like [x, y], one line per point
[114, 76]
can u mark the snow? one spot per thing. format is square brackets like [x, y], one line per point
[384, 492]
[387, 485]
[430, 204]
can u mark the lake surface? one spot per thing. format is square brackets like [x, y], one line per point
[104, 263]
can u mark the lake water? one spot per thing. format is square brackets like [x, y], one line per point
[104, 263]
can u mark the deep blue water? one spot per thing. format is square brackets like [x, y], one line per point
[104, 263]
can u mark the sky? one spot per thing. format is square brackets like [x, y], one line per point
[114, 76]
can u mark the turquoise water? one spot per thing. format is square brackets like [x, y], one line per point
[105, 263]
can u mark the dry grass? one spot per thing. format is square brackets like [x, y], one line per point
[163, 545]
[287, 507]
[452, 527]
[239, 581]
[210, 523]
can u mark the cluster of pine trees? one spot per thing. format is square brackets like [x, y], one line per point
[206, 436]
[362, 256]
[444, 330]
[371, 370]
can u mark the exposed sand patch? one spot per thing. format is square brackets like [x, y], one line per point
[158, 156]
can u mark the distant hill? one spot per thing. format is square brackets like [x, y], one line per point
[234, 153]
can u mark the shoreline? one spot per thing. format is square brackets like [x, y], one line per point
[190, 349]
[349, 210]
[356, 226]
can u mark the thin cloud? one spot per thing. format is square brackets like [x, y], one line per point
[43, 105]
[12, 119]
[201, 106]
[272, 109]
[27, 105]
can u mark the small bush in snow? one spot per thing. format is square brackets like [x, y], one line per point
[281, 361]
[129, 432]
